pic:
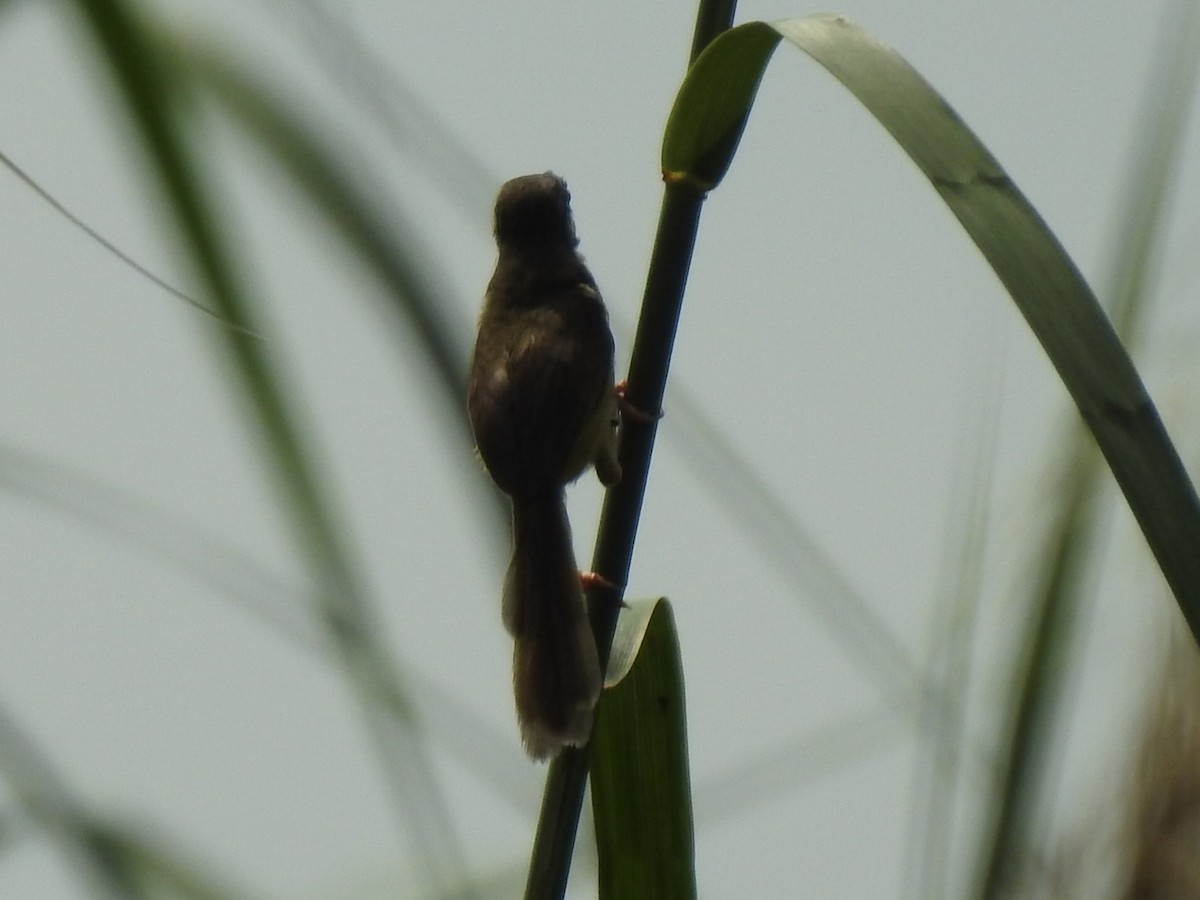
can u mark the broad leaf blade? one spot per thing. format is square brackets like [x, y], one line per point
[641, 792]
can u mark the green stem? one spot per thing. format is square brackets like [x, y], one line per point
[650, 361]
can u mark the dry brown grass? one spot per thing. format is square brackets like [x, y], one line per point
[1164, 823]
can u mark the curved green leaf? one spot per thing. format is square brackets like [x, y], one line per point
[700, 140]
[641, 791]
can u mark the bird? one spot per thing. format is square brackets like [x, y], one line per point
[544, 408]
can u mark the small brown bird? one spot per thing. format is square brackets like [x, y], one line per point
[543, 408]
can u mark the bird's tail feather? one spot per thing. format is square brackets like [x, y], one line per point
[556, 670]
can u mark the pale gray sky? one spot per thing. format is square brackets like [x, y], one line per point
[838, 326]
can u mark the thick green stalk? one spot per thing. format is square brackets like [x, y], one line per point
[649, 363]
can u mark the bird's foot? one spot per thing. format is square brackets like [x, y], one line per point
[594, 580]
[631, 413]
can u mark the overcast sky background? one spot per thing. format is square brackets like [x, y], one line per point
[840, 328]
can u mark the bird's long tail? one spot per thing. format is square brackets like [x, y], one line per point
[556, 671]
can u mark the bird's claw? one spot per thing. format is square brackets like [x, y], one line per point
[630, 412]
[594, 580]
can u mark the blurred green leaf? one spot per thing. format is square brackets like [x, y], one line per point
[45, 799]
[388, 244]
[1044, 283]
[151, 85]
[1067, 568]
[382, 237]
[155, 871]
[641, 791]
